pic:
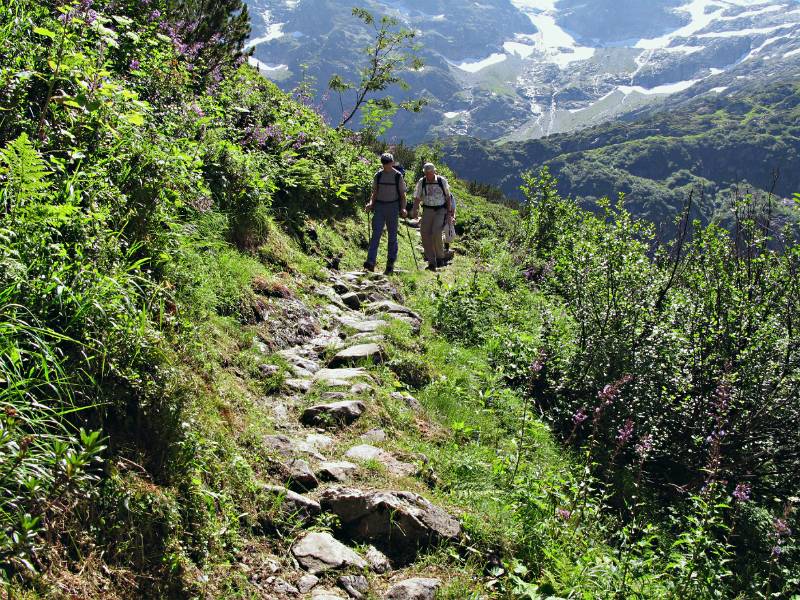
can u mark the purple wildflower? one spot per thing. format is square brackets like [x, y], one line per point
[777, 551]
[742, 492]
[579, 417]
[91, 16]
[781, 528]
[625, 432]
[135, 64]
[644, 446]
[538, 364]
[155, 15]
[198, 111]
[563, 514]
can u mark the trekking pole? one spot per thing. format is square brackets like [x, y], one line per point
[411, 243]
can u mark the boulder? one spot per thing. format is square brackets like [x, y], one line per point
[318, 552]
[406, 519]
[357, 354]
[362, 326]
[339, 471]
[282, 588]
[408, 400]
[291, 504]
[337, 413]
[326, 376]
[374, 435]
[298, 385]
[419, 588]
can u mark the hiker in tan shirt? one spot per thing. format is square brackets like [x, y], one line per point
[433, 193]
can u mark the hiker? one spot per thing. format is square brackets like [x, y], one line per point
[387, 202]
[433, 193]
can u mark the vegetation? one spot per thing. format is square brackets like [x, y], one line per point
[609, 418]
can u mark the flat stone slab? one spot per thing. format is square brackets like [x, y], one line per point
[319, 552]
[418, 588]
[407, 519]
[335, 414]
[361, 326]
[393, 308]
[336, 470]
[357, 354]
[292, 504]
[290, 448]
[338, 375]
[366, 452]
[374, 435]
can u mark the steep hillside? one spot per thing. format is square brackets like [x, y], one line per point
[707, 145]
[543, 66]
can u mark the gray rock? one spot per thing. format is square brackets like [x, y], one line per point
[355, 585]
[298, 385]
[298, 476]
[340, 470]
[318, 552]
[361, 388]
[291, 504]
[284, 446]
[367, 338]
[351, 300]
[300, 364]
[325, 595]
[366, 452]
[374, 435]
[338, 375]
[319, 441]
[341, 288]
[377, 560]
[362, 326]
[357, 354]
[268, 370]
[391, 308]
[280, 586]
[280, 412]
[408, 400]
[306, 583]
[337, 413]
[419, 588]
[410, 521]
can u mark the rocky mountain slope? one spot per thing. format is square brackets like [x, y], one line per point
[709, 145]
[543, 66]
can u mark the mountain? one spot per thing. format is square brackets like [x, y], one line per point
[540, 66]
[709, 144]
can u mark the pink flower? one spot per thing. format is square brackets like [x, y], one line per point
[742, 492]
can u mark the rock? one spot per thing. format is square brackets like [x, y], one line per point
[419, 588]
[325, 595]
[377, 561]
[361, 326]
[287, 447]
[357, 354]
[352, 300]
[298, 475]
[306, 583]
[291, 504]
[366, 452]
[361, 388]
[374, 435]
[341, 288]
[355, 585]
[367, 338]
[339, 375]
[318, 552]
[339, 471]
[280, 413]
[337, 413]
[410, 521]
[300, 363]
[408, 400]
[391, 308]
[268, 370]
[279, 586]
[299, 385]
[319, 441]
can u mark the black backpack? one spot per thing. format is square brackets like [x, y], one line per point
[424, 181]
[397, 176]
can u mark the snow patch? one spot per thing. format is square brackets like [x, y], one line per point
[274, 31]
[792, 53]
[670, 88]
[520, 49]
[454, 114]
[264, 68]
[474, 67]
[718, 90]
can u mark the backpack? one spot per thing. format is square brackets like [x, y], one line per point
[397, 176]
[424, 181]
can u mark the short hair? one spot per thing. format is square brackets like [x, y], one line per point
[386, 158]
[428, 167]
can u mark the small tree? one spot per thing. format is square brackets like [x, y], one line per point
[391, 51]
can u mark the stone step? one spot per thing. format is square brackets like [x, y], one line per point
[358, 354]
[334, 414]
[418, 588]
[335, 377]
[291, 504]
[318, 552]
[366, 452]
[408, 520]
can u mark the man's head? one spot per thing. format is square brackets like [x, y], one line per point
[387, 159]
[429, 170]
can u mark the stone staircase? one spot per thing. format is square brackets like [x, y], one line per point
[316, 466]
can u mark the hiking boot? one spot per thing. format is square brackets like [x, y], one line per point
[431, 266]
[442, 262]
[389, 269]
[369, 267]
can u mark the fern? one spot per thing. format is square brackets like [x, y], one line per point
[23, 174]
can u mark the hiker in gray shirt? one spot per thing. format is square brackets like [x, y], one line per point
[388, 203]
